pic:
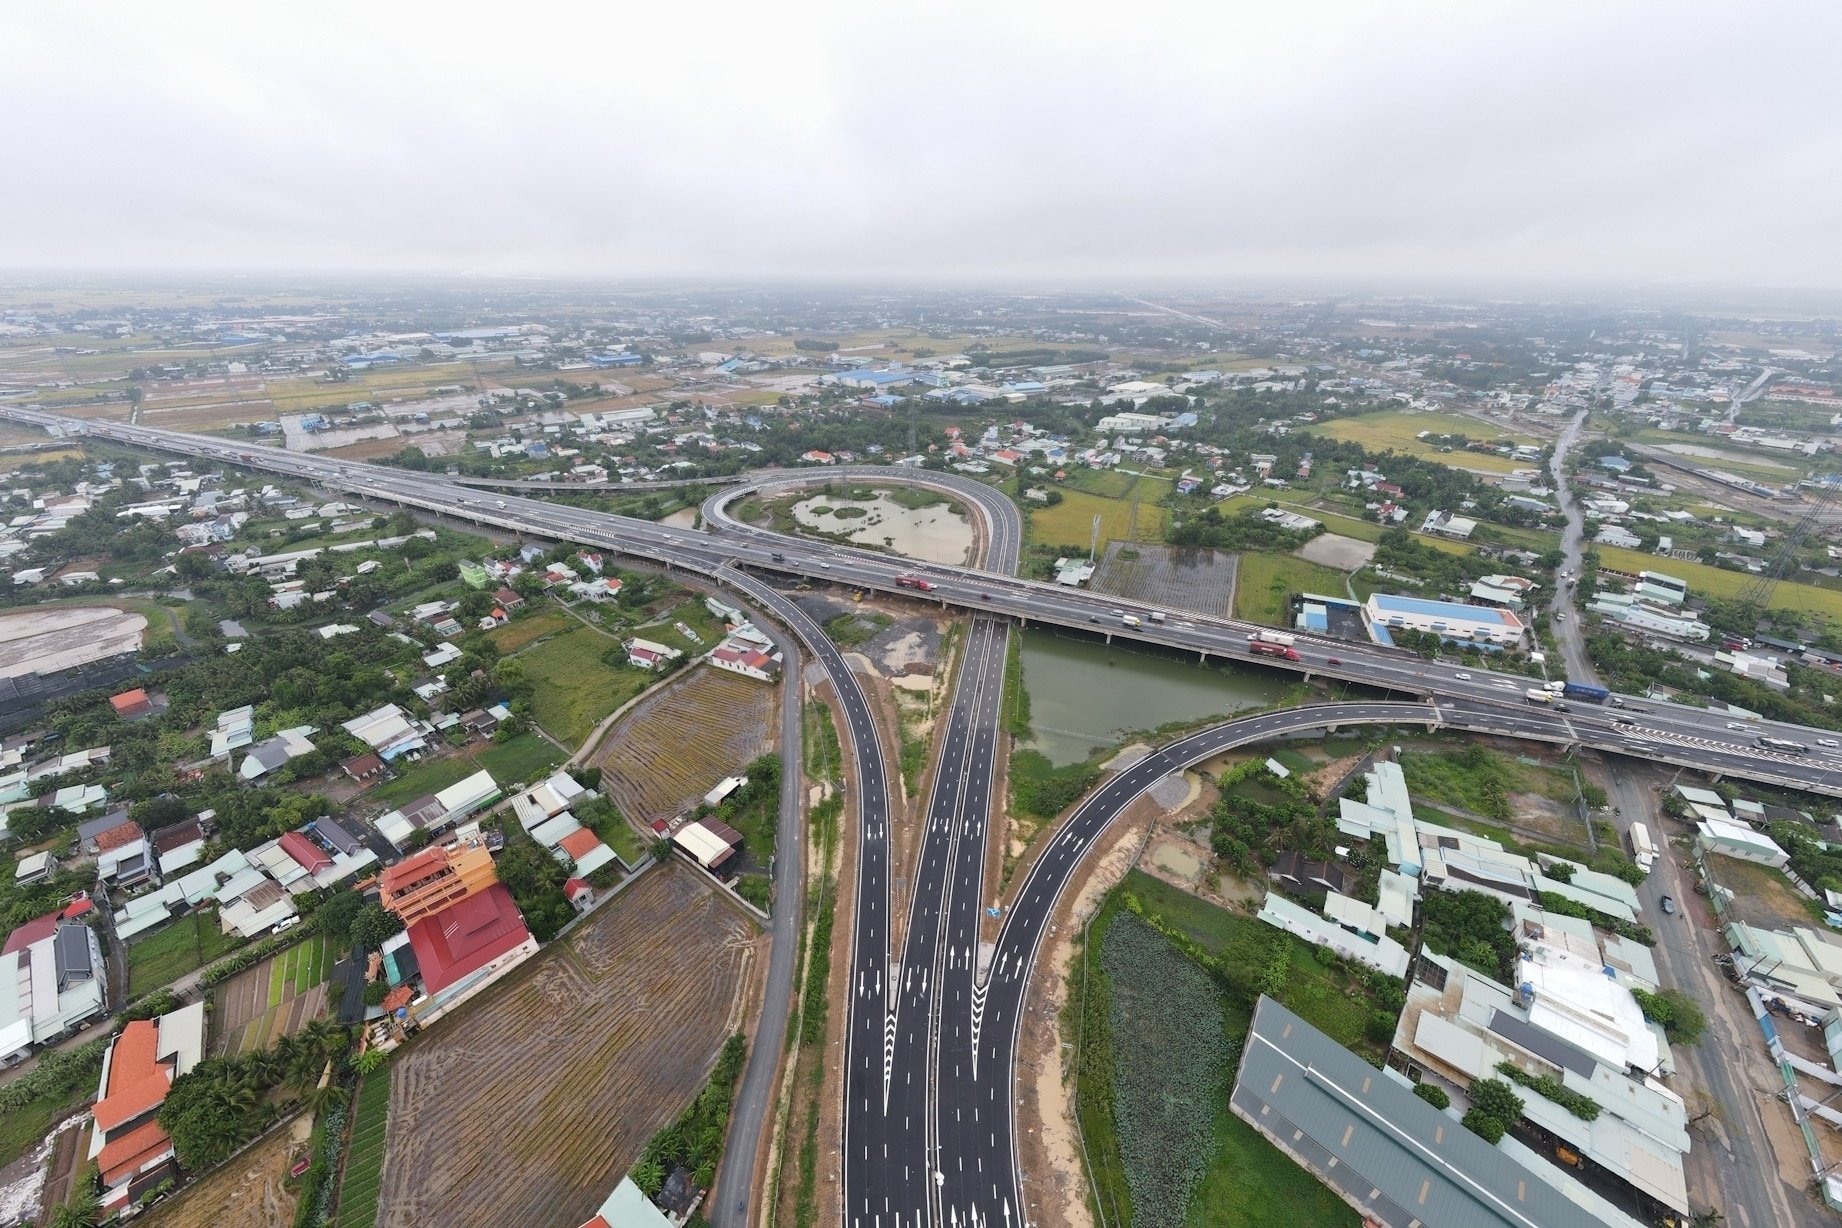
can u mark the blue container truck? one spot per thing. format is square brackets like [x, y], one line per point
[1581, 690]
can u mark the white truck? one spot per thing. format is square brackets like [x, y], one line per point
[1540, 695]
[1272, 637]
[1131, 620]
[1643, 852]
[1157, 616]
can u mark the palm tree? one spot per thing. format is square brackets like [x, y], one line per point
[84, 1210]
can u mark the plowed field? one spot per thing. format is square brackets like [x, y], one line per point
[676, 745]
[529, 1104]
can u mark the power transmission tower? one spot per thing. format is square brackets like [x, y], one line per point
[1757, 595]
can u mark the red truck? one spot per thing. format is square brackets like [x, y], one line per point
[915, 582]
[1282, 651]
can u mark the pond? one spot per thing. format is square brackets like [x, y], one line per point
[1086, 694]
[934, 534]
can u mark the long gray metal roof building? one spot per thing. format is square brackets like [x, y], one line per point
[1367, 1136]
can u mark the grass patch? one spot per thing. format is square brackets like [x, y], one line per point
[1267, 582]
[528, 629]
[1246, 1181]
[184, 946]
[22, 1129]
[1717, 582]
[856, 628]
[574, 689]
[525, 758]
[428, 776]
[1070, 523]
[620, 836]
[1479, 779]
[1396, 430]
[824, 758]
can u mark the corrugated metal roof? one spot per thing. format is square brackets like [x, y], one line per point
[1392, 1152]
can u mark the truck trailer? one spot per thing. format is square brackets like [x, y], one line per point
[1282, 651]
[1586, 691]
[1272, 637]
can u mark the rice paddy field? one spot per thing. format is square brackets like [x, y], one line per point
[603, 1038]
[673, 747]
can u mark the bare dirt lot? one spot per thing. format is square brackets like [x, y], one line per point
[676, 744]
[1762, 897]
[1332, 550]
[46, 640]
[246, 1193]
[528, 1104]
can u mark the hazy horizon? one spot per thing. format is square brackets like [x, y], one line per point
[1428, 147]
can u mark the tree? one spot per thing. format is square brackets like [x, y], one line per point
[372, 925]
[661, 849]
[1682, 1019]
[1433, 1094]
[337, 915]
[1495, 1107]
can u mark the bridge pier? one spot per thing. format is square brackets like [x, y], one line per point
[1109, 637]
[1202, 656]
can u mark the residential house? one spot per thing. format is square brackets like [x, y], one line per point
[650, 655]
[51, 980]
[265, 756]
[131, 1150]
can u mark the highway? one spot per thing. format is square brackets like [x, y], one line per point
[1672, 733]
[889, 1111]
[930, 1044]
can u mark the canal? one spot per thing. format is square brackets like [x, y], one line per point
[1086, 694]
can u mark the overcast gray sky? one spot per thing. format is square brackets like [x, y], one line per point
[1674, 142]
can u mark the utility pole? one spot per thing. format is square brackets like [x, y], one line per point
[1093, 541]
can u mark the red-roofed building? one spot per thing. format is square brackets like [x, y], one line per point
[580, 894]
[310, 856]
[118, 836]
[744, 659]
[131, 1151]
[579, 843]
[469, 937]
[130, 704]
[36, 930]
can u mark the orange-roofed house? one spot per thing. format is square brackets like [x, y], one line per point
[435, 878]
[131, 1151]
[586, 850]
[130, 704]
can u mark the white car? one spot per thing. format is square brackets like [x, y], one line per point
[1735, 725]
[1828, 742]
[1462, 676]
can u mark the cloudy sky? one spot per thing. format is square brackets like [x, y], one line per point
[1672, 143]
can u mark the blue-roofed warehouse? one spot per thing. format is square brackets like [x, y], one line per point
[1480, 626]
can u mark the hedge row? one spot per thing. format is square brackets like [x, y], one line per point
[1583, 1107]
[256, 952]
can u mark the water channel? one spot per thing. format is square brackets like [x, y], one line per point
[1086, 694]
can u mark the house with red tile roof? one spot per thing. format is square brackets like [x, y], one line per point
[130, 1149]
[131, 704]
